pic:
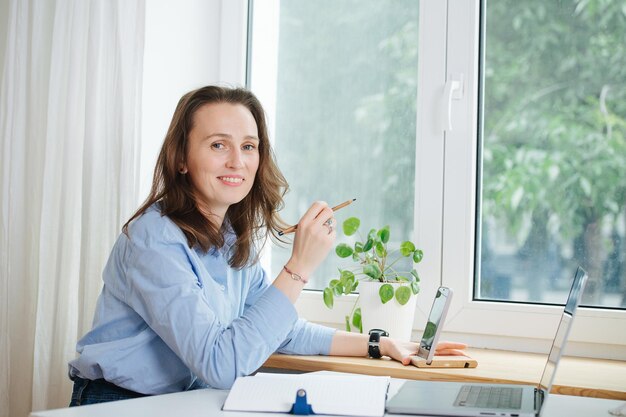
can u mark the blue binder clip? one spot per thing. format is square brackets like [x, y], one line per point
[300, 406]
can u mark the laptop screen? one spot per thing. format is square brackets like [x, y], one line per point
[573, 300]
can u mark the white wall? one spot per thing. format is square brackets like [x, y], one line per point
[188, 44]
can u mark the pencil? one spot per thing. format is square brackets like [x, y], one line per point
[337, 207]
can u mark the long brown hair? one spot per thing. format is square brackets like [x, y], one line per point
[253, 218]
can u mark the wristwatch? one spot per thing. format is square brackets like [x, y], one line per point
[373, 346]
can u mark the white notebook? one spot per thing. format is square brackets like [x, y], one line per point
[340, 394]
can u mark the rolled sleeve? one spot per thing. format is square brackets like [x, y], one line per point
[308, 338]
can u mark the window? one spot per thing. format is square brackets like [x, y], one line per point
[553, 152]
[507, 88]
[350, 86]
[344, 98]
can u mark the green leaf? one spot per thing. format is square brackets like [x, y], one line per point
[355, 285]
[417, 256]
[350, 226]
[415, 275]
[338, 289]
[348, 324]
[385, 292]
[347, 281]
[383, 234]
[373, 234]
[415, 287]
[328, 297]
[358, 247]
[356, 320]
[380, 250]
[403, 294]
[333, 282]
[343, 251]
[372, 271]
[407, 248]
[402, 278]
[368, 245]
[346, 275]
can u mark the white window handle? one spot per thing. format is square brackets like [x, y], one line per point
[453, 90]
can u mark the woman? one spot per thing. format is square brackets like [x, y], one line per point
[185, 303]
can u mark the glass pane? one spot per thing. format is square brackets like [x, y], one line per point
[346, 114]
[553, 151]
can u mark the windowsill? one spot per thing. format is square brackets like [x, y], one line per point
[576, 376]
[595, 333]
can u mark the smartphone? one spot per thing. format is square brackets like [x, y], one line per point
[434, 324]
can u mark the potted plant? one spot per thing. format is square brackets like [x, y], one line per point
[387, 294]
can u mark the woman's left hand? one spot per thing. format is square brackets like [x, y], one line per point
[402, 351]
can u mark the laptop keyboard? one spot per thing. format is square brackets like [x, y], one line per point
[489, 397]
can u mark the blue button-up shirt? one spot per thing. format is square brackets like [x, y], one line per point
[172, 318]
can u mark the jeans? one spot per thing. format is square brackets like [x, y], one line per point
[98, 391]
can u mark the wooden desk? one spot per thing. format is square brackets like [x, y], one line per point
[575, 376]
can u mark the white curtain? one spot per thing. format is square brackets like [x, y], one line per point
[69, 152]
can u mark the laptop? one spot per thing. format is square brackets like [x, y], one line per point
[479, 400]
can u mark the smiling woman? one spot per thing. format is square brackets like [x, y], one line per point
[207, 147]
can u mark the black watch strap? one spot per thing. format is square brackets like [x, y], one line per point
[373, 346]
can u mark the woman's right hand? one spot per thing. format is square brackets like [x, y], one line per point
[313, 239]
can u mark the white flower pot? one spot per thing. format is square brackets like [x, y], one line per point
[393, 317]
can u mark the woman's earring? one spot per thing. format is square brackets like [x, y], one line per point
[182, 170]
